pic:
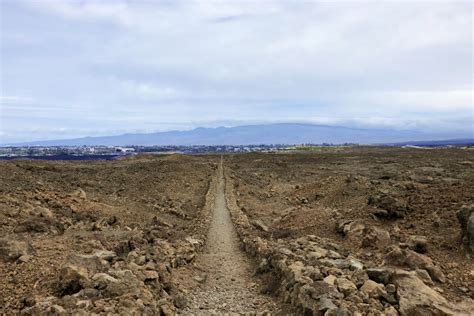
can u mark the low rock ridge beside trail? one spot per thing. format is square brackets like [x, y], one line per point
[134, 279]
[318, 277]
[125, 271]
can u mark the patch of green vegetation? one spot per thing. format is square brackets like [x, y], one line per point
[311, 147]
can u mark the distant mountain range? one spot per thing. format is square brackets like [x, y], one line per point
[282, 133]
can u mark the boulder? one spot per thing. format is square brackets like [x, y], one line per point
[351, 229]
[466, 219]
[375, 237]
[416, 298]
[11, 250]
[38, 225]
[72, 279]
[424, 276]
[395, 208]
[414, 260]
[361, 234]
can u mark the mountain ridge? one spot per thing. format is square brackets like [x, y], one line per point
[277, 133]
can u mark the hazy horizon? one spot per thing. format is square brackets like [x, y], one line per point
[87, 68]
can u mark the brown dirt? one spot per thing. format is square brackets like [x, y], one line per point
[82, 196]
[309, 193]
[162, 208]
[228, 284]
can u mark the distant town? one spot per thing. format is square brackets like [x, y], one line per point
[111, 152]
[104, 152]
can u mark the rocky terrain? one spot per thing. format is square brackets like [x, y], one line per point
[344, 231]
[99, 236]
[360, 230]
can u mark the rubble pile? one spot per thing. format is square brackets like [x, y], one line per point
[319, 277]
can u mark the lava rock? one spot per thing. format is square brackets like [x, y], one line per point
[11, 250]
[72, 279]
[418, 244]
[466, 219]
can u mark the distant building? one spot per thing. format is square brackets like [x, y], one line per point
[124, 149]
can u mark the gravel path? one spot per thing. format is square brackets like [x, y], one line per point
[229, 285]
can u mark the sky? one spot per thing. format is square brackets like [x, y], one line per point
[87, 68]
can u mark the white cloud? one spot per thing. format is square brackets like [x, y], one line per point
[183, 61]
[149, 91]
[450, 100]
[11, 99]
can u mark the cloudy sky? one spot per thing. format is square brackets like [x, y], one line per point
[76, 68]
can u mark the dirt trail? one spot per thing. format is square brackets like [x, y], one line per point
[229, 284]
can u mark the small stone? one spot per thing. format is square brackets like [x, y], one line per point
[330, 279]
[200, 278]
[380, 275]
[84, 304]
[57, 310]
[44, 212]
[28, 301]
[356, 265]
[192, 241]
[260, 225]
[151, 275]
[105, 255]
[463, 289]
[334, 254]
[25, 258]
[345, 286]
[326, 304]
[418, 244]
[140, 260]
[391, 288]
[390, 311]
[166, 310]
[103, 280]
[181, 301]
[317, 252]
[285, 251]
[373, 289]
